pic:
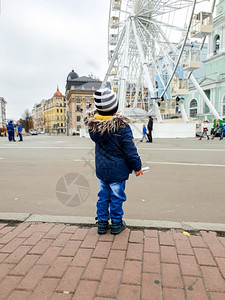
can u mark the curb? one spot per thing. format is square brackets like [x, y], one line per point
[134, 223]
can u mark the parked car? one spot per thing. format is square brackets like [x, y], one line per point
[33, 132]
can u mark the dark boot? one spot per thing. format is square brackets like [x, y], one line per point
[207, 137]
[200, 137]
[103, 226]
[117, 227]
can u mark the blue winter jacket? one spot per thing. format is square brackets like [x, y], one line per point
[20, 128]
[10, 128]
[115, 153]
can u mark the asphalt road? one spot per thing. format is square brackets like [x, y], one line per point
[54, 175]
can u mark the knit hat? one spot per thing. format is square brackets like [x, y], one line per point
[106, 101]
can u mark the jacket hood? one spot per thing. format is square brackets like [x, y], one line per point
[101, 124]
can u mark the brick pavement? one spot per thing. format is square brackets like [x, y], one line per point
[63, 262]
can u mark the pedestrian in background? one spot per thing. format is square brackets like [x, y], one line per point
[20, 128]
[11, 132]
[144, 134]
[217, 129]
[223, 131]
[115, 158]
[150, 128]
[204, 131]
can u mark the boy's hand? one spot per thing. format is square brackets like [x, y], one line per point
[139, 173]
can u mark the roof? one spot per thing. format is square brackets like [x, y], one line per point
[89, 85]
[58, 93]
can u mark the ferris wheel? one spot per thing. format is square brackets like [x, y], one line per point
[147, 43]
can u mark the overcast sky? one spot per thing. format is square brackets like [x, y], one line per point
[41, 41]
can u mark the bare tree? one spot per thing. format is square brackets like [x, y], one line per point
[26, 120]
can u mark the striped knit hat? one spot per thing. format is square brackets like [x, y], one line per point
[106, 102]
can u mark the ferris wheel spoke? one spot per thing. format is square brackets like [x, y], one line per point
[181, 50]
[152, 58]
[164, 24]
[167, 58]
[145, 68]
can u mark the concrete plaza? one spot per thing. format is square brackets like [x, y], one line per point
[185, 182]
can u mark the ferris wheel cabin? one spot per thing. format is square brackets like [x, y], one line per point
[202, 25]
[179, 86]
[114, 71]
[116, 4]
[113, 39]
[114, 22]
[190, 60]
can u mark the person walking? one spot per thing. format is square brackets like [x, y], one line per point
[144, 133]
[216, 130]
[223, 131]
[20, 128]
[204, 131]
[116, 157]
[150, 128]
[11, 132]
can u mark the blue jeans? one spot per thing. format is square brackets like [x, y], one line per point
[20, 136]
[111, 196]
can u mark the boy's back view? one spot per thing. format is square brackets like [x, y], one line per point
[115, 158]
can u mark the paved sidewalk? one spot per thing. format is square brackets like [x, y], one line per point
[61, 262]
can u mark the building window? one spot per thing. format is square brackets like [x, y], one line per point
[78, 100]
[88, 100]
[79, 108]
[193, 108]
[57, 110]
[61, 110]
[216, 44]
[206, 108]
[78, 127]
[223, 109]
[61, 124]
[78, 118]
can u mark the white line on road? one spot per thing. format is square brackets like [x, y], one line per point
[184, 149]
[183, 164]
[162, 163]
[80, 148]
[145, 149]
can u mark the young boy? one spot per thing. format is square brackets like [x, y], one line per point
[115, 158]
[144, 134]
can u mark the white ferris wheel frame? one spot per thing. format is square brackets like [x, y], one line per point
[130, 26]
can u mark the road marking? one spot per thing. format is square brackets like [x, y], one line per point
[183, 164]
[83, 160]
[92, 148]
[162, 163]
[184, 149]
[59, 147]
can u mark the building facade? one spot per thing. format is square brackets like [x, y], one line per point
[38, 116]
[213, 81]
[79, 95]
[54, 114]
[2, 112]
